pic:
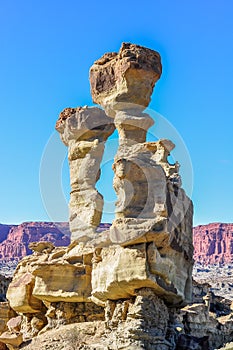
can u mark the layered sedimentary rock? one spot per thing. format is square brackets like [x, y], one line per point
[136, 267]
[52, 287]
[141, 319]
[84, 131]
[213, 243]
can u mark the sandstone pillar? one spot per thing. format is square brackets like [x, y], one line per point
[84, 131]
[151, 205]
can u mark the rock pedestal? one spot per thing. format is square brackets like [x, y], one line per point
[84, 131]
[151, 205]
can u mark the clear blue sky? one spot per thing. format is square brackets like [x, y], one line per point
[47, 48]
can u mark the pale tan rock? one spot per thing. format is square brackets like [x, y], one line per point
[100, 240]
[132, 127]
[69, 337]
[20, 295]
[62, 282]
[41, 247]
[13, 340]
[128, 231]
[84, 123]
[84, 131]
[14, 324]
[33, 323]
[140, 184]
[121, 271]
[151, 205]
[78, 253]
[120, 80]
[161, 150]
[59, 277]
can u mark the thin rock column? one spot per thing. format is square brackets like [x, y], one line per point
[84, 131]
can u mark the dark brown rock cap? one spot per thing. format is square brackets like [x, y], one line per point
[125, 79]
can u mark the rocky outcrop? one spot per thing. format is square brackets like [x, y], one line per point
[213, 243]
[199, 323]
[84, 131]
[142, 321]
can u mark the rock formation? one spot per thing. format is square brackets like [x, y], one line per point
[213, 243]
[122, 288]
[84, 131]
[151, 205]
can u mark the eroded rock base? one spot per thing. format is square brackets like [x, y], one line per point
[144, 321]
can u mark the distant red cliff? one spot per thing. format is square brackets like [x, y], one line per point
[16, 238]
[213, 243]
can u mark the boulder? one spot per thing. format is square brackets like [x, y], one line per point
[62, 282]
[120, 272]
[121, 80]
[12, 340]
[20, 295]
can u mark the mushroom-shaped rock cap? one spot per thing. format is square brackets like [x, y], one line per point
[125, 80]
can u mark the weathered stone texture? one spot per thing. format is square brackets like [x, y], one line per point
[137, 267]
[84, 131]
[126, 78]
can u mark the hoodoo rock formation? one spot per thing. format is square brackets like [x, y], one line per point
[123, 288]
[151, 205]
